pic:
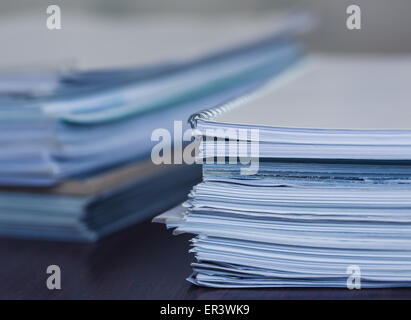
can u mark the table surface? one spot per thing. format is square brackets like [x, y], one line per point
[143, 262]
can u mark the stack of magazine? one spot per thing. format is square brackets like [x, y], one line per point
[75, 145]
[306, 181]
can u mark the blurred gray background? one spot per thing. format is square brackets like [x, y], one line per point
[100, 33]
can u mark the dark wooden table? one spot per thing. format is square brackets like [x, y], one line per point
[142, 262]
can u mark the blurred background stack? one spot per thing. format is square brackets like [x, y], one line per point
[76, 144]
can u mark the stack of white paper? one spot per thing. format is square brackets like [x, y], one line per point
[326, 201]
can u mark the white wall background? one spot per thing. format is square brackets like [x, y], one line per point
[98, 33]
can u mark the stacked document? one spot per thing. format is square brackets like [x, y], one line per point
[89, 120]
[306, 181]
[75, 146]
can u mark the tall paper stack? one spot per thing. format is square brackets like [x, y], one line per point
[325, 198]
